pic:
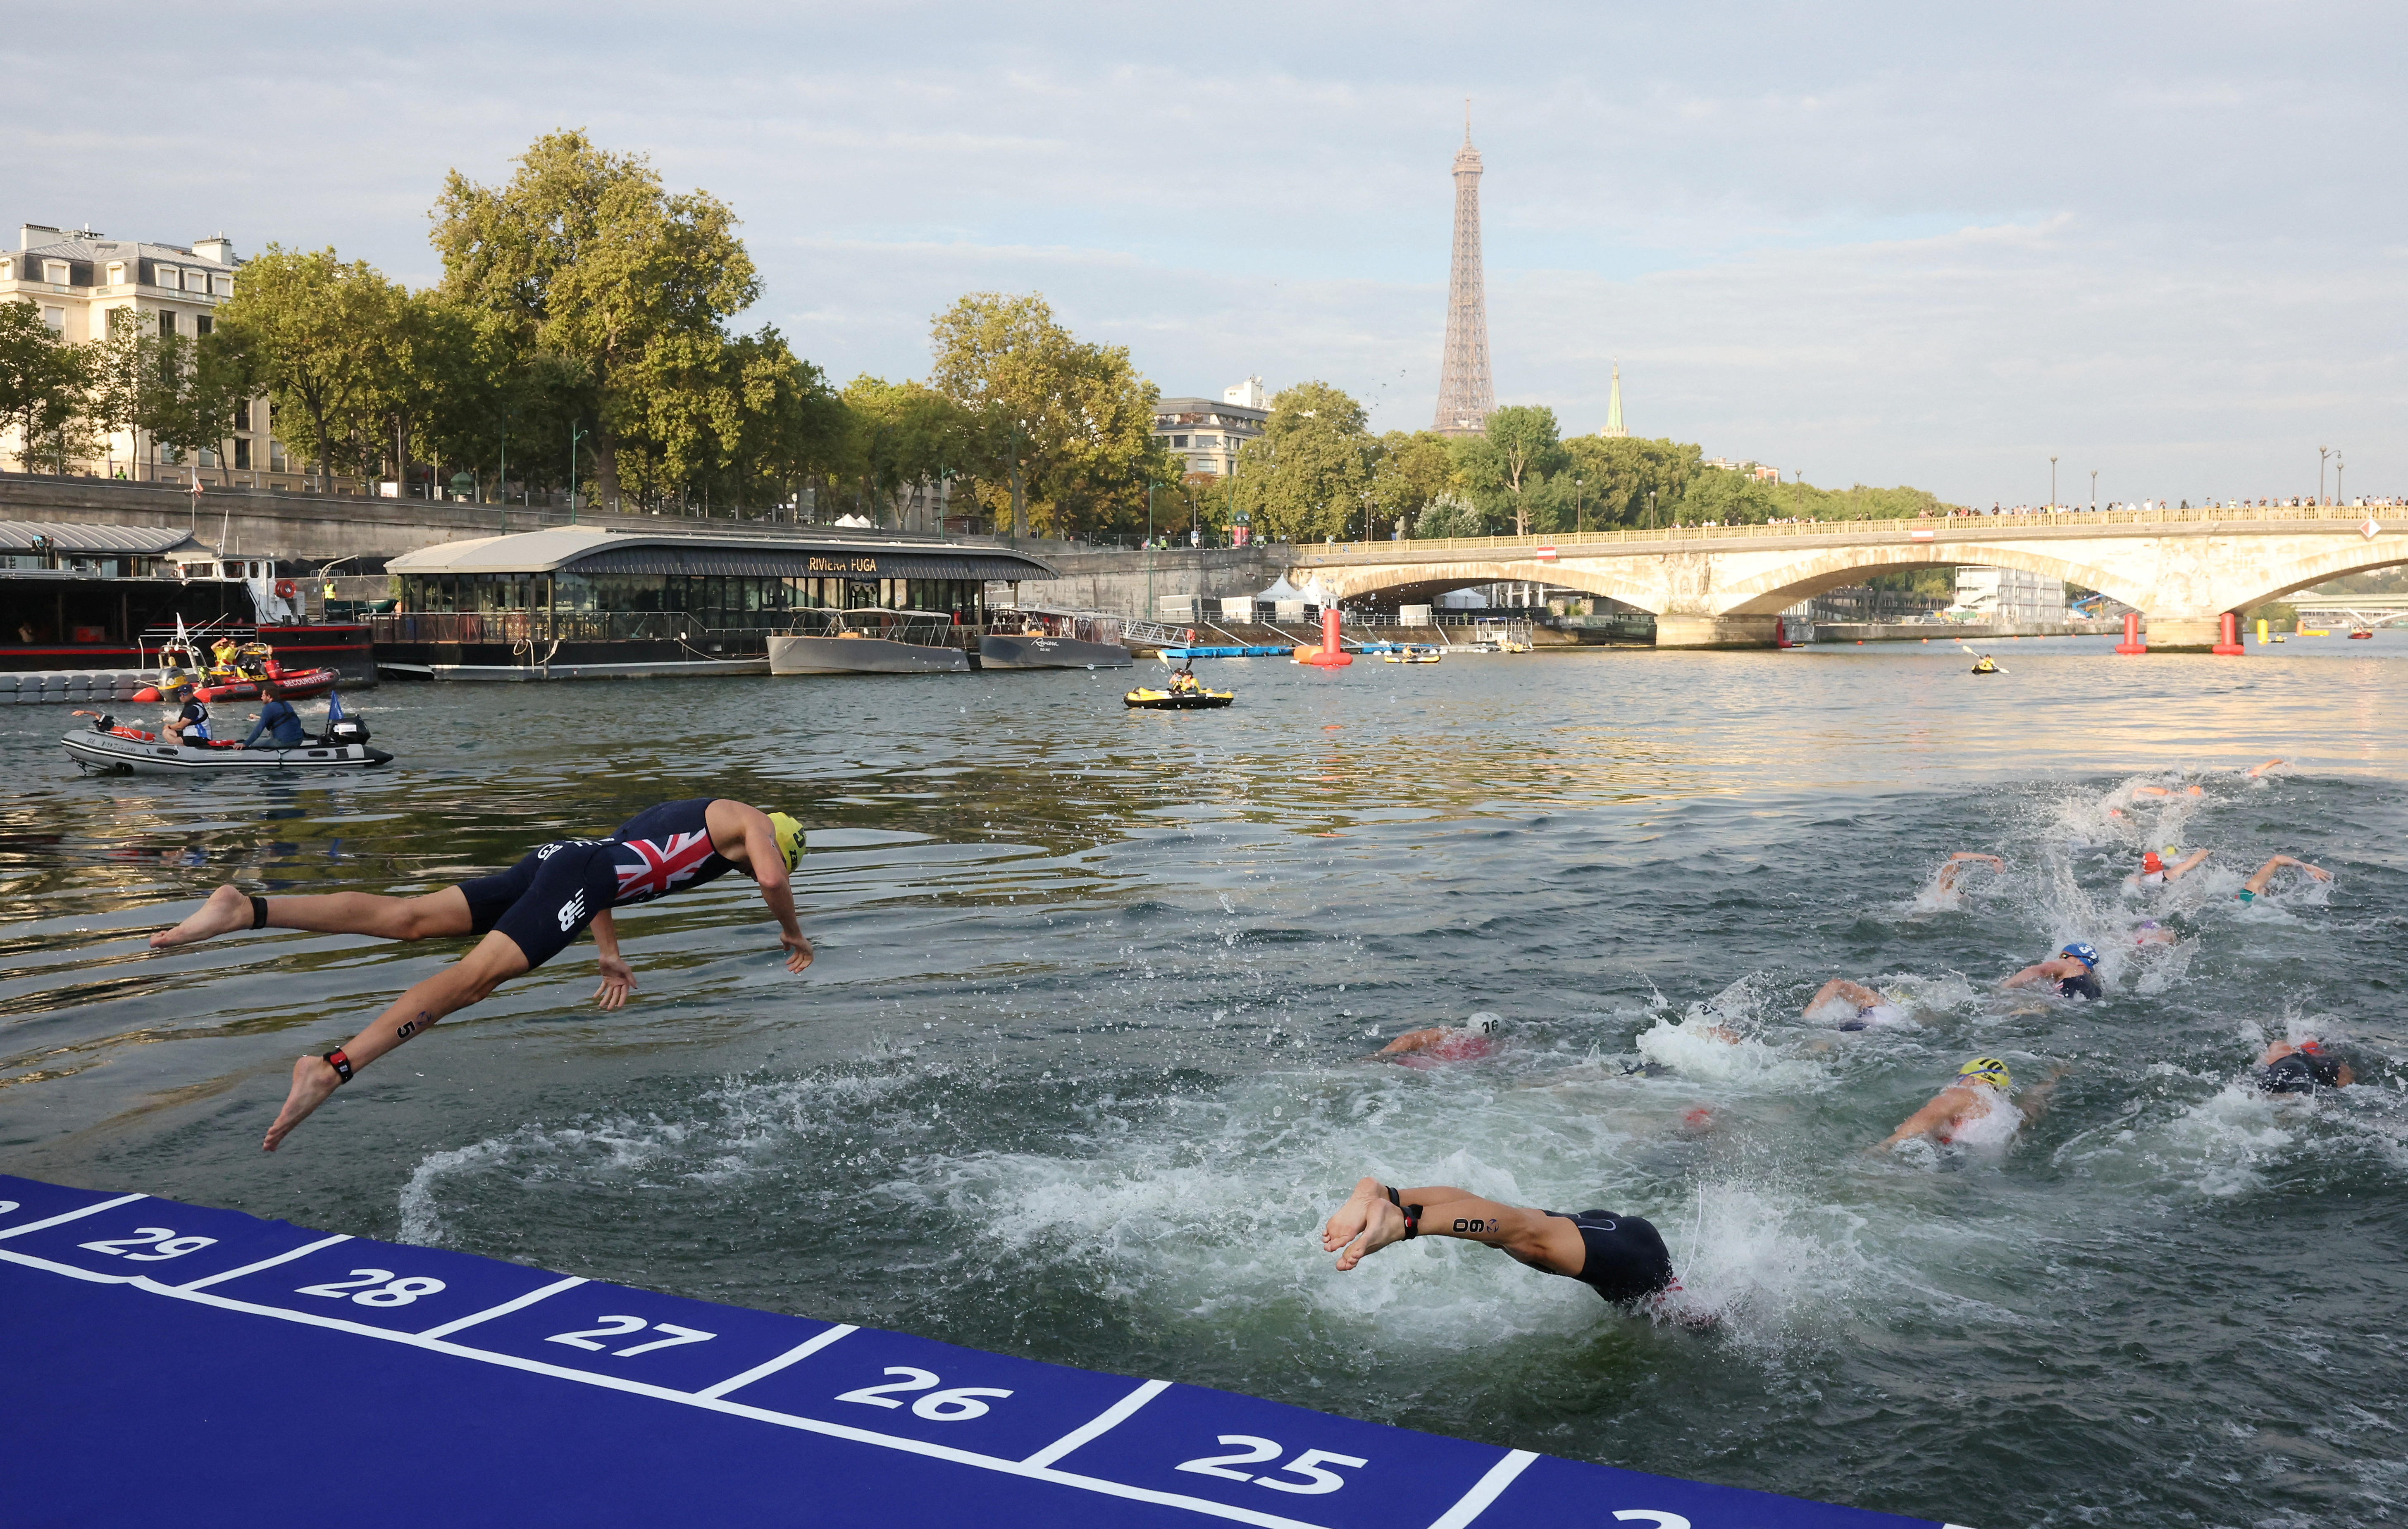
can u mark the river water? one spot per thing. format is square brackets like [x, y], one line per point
[1078, 1071]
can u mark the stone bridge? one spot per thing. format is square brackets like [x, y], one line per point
[1723, 586]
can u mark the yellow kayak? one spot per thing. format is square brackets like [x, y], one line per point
[1163, 700]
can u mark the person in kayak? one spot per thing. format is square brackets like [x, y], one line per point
[525, 915]
[1622, 1258]
[278, 721]
[1183, 681]
[2074, 970]
[2255, 886]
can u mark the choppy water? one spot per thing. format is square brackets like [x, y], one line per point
[1077, 1072]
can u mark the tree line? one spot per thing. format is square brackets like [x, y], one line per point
[1318, 472]
[582, 338]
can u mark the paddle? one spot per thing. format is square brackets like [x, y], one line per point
[1997, 667]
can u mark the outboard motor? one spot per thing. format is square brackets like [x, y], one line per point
[347, 729]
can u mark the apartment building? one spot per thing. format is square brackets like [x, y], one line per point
[77, 278]
[1209, 434]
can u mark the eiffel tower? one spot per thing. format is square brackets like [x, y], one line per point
[1466, 394]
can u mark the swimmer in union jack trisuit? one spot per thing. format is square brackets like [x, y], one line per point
[526, 915]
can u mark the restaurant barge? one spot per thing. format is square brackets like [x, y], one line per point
[86, 598]
[600, 602]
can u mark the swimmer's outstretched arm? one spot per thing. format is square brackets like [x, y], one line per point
[1957, 864]
[496, 960]
[1414, 1040]
[2034, 1099]
[2265, 875]
[766, 865]
[2254, 771]
[2189, 863]
[618, 977]
[1367, 1222]
[1840, 987]
[1944, 1107]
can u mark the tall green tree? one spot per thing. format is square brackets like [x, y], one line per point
[1526, 444]
[1053, 418]
[192, 388]
[44, 388]
[903, 437]
[1622, 471]
[316, 330]
[1411, 469]
[1310, 472]
[586, 255]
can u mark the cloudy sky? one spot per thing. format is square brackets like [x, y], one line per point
[1875, 243]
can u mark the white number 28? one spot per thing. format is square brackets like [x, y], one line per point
[1257, 1451]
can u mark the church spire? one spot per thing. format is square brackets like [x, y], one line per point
[1614, 409]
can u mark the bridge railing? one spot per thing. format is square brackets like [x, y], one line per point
[1950, 527]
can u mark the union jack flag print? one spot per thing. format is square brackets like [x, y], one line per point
[663, 865]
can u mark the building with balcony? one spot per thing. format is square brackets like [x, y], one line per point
[1209, 434]
[76, 277]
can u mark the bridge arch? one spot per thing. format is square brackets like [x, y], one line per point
[2307, 572]
[1348, 583]
[1830, 567]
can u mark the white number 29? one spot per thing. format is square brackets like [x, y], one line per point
[1257, 1451]
[163, 1244]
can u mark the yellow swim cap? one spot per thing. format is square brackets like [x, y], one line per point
[790, 838]
[1985, 1069]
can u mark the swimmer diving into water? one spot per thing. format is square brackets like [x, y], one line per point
[2074, 970]
[526, 915]
[1620, 1257]
[1976, 1109]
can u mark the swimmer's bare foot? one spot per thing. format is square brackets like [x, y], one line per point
[313, 1078]
[226, 911]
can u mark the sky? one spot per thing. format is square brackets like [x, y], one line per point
[1868, 243]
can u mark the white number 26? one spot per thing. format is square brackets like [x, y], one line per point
[1257, 1451]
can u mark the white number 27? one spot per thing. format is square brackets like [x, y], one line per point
[1307, 1464]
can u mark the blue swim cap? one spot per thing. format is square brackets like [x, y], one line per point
[2085, 954]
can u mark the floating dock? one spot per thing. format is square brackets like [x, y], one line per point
[165, 1360]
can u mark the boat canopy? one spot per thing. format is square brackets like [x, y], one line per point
[585, 550]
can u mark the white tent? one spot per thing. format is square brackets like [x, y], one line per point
[1282, 591]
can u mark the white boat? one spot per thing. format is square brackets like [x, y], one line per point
[126, 749]
[870, 641]
[1034, 639]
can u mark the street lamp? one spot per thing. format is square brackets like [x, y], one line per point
[1651, 509]
[576, 432]
[2322, 453]
[2337, 494]
[2052, 482]
[2094, 489]
[1580, 503]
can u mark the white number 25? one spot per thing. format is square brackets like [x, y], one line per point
[1307, 1464]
